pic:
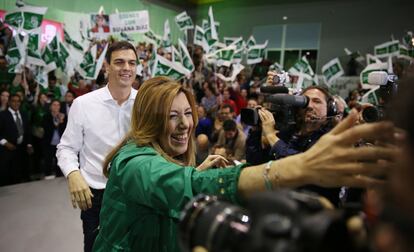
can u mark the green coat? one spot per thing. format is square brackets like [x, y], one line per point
[145, 194]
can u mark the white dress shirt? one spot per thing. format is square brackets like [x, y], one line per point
[96, 124]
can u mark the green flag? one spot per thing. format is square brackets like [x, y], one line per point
[250, 42]
[26, 18]
[16, 55]
[371, 59]
[332, 70]
[166, 39]
[40, 75]
[255, 53]
[184, 21]
[186, 60]
[72, 42]
[34, 55]
[48, 59]
[164, 67]
[302, 66]
[236, 69]
[391, 48]
[153, 38]
[176, 56]
[89, 67]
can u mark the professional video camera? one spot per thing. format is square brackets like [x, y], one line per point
[277, 221]
[387, 89]
[282, 105]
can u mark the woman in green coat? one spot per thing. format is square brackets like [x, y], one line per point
[152, 174]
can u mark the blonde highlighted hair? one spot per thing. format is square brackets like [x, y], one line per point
[150, 116]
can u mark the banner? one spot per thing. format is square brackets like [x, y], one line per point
[250, 42]
[26, 18]
[184, 21]
[332, 70]
[129, 22]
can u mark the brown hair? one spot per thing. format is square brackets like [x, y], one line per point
[150, 115]
[118, 46]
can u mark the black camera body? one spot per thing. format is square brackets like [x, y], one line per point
[284, 108]
[278, 221]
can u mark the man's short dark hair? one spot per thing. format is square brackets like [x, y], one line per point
[227, 106]
[118, 46]
[229, 125]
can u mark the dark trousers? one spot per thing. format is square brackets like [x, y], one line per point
[90, 220]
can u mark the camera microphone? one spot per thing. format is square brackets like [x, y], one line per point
[381, 78]
[274, 90]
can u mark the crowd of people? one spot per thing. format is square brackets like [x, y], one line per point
[70, 128]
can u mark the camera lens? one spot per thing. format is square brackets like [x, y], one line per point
[370, 114]
[276, 79]
[214, 225]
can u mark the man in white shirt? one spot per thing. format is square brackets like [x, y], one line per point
[97, 121]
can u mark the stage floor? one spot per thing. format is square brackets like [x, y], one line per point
[38, 217]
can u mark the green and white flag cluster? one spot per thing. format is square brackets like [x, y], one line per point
[89, 67]
[184, 21]
[371, 68]
[303, 67]
[255, 53]
[164, 67]
[332, 70]
[26, 18]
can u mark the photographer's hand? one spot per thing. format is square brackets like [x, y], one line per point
[270, 75]
[268, 126]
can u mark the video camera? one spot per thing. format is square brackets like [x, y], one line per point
[388, 88]
[277, 221]
[282, 105]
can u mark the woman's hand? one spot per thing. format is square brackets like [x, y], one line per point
[334, 161]
[213, 161]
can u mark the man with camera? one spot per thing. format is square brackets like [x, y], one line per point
[312, 120]
[311, 123]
